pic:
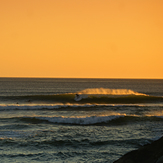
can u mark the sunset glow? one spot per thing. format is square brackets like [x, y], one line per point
[81, 38]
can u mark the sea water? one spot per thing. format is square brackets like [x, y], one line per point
[42, 121]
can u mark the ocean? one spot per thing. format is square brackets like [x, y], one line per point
[77, 120]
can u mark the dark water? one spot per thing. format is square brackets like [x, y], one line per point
[43, 120]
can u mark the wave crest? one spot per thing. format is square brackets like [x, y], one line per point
[103, 91]
[118, 118]
[76, 120]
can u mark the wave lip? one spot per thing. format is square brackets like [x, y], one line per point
[115, 96]
[87, 96]
[103, 91]
[91, 120]
[81, 120]
[112, 118]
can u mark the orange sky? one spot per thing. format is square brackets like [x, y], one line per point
[81, 38]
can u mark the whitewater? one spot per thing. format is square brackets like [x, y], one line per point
[41, 119]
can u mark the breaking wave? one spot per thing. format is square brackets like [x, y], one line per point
[81, 120]
[103, 91]
[117, 118]
[87, 96]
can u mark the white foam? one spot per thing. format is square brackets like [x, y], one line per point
[82, 120]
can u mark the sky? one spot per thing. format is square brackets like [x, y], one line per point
[81, 38]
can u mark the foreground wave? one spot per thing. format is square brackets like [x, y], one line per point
[90, 120]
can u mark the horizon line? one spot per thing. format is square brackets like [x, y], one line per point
[79, 77]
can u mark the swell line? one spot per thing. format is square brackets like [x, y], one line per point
[69, 106]
[119, 119]
[91, 96]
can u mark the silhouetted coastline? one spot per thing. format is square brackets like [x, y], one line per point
[151, 153]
